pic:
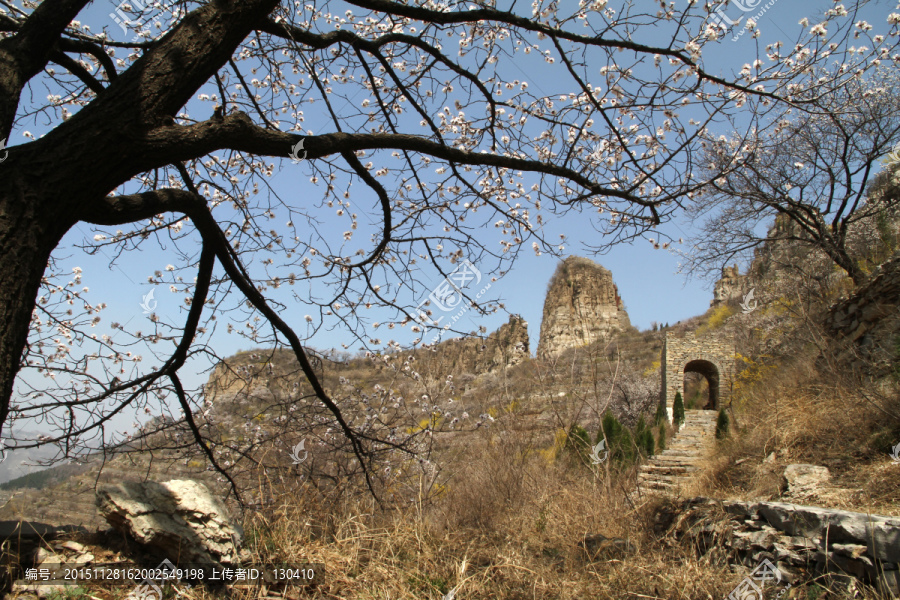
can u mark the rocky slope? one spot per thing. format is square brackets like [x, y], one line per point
[582, 306]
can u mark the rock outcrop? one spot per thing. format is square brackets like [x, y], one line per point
[729, 287]
[865, 326]
[180, 519]
[505, 347]
[582, 306]
[796, 539]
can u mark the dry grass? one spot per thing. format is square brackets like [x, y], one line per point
[514, 536]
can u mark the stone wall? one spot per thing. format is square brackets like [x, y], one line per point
[717, 351]
[582, 306]
[801, 541]
[865, 327]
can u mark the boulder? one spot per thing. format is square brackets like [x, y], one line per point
[805, 479]
[179, 519]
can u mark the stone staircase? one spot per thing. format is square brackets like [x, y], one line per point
[668, 471]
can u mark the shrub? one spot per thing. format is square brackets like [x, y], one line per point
[618, 438]
[624, 450]
[644, 438]
[694, 400]
[719, 316]
[678, 410]
[578, 442]
[722, 425]
[611, 426]
[661, 416]
[661, 437]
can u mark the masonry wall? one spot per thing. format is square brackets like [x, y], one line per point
[679, 351]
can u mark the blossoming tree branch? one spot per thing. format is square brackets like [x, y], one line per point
[175, 134]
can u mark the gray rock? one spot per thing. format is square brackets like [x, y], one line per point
[42, 555]
[70, 545]
[802, 543]
[40, 590]
[793, 519]
[840, 543]
[851, 550]
[889, 583]
[805, 479]
[180, 519]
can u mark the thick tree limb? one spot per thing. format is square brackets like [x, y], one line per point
[25, 54]
[126, 209]
[238, 132]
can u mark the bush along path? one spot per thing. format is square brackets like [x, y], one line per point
[668, 471]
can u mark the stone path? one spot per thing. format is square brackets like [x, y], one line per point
[668, 471]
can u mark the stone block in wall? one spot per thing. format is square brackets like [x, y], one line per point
[889, 582]
[805, 521]
[884, 540]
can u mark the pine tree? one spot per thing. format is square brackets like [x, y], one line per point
[661, 415]
[678, 410]
[618, 438]
[625, 449]
[722, 425]
[578, 442]
[644, 438]
[611, 426]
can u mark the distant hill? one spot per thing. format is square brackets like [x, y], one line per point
[39, 480]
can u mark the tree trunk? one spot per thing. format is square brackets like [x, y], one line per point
[839, 255]
[27, 237]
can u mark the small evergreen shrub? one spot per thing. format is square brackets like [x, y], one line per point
[624, 450]
[643, 437]
[613, 429]
[722, 425]
[678, 410]
[578, 442]
[661, 416]
[619, 440]
[661, 437]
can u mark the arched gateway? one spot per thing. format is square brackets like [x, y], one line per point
[710, 356]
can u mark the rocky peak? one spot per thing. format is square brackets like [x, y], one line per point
[582, 306]
[729, 287]
[505, 347]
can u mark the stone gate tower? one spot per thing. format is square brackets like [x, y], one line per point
[711, 356]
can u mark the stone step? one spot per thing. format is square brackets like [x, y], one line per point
[663, 469]
[656, 485]
[667, 471]
[663, 478]
[672, 459]
[684, 453]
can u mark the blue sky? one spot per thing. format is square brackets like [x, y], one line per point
[647, 278]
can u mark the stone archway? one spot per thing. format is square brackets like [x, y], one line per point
[708, 370]
[711, 356]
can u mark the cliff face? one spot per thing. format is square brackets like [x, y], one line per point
[503, 348]
[729, 287]
[582, 306]
[865, 327]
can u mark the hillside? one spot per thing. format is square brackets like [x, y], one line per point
[480, 451]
